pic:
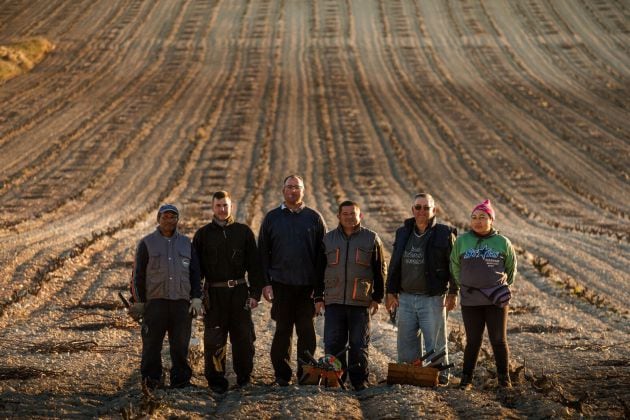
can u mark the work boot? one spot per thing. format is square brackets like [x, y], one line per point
[466, 382]
[282, 382]
[504, 380]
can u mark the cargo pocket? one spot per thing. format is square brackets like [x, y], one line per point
[361, 290]
[332, 257]
[154, 262]
[363, 257]
[185, 254]
[333, 289]
[154, 287]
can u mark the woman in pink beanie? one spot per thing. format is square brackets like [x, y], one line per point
[483, 264]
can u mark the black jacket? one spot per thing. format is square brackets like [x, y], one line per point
[227, 252]
[437, 256]
[290, 245]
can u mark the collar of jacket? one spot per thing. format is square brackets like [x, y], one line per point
[283, 206]
[175, 233]
[228, 222]
[356, 229]
[411, 223]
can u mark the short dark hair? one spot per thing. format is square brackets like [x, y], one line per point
[428, 196]
[298, 177]
[220, 195]
[348, 203]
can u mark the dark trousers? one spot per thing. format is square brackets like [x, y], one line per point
[226, 314]
[163, 316]
[345, 325]
[292, 306]
[476, 318]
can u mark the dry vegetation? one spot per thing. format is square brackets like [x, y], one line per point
[524, 102]
[19, 57]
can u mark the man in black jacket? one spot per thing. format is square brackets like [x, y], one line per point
[289, 242]
[418, 278]
[227, 250]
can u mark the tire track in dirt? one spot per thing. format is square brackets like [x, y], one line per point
[612, 19]
[237, 130]
[90, 196]
[605, 127]
[352, 153]
[30, 18]
[569, 49]
[586, 70]
[486, 57]
[69, 83]
[79, 159]
[474, 131]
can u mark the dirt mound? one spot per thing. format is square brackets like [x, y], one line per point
[19, 57]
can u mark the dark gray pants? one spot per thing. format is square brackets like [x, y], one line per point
[163, 316]
[349, 325]
[292, 307]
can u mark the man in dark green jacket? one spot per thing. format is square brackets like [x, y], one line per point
[227, 250]
[351, 289]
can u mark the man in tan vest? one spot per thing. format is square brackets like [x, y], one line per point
[351, 289]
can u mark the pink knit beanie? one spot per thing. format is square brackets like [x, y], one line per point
[486, 207]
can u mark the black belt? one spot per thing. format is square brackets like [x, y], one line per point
[229, 283]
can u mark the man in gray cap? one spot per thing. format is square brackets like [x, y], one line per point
[167, 294]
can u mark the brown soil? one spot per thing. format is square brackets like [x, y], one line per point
[144, 102]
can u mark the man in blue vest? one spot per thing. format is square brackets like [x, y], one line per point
[350, 290]
[167, 294]
[418, 280]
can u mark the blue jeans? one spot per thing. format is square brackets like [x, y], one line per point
[346, 324]
[421, 318]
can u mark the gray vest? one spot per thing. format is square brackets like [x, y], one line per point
[349, 275]
[168, 269]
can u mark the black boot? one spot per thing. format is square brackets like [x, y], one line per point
[466, 382]
[504, 380]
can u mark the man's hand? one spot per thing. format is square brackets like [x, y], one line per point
[136, 311]
[319, 308]
[450, 302]
[252, 303]
[392, 302]
[196, 307]
[373, 307]
[268, 293]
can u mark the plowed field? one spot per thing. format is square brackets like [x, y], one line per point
[144, 102]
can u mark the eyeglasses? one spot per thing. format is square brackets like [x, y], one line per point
[419, 207]
[294, 187]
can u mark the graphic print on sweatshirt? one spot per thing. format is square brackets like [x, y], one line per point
[482, 267]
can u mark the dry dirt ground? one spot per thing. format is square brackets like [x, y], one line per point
[142, 102]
